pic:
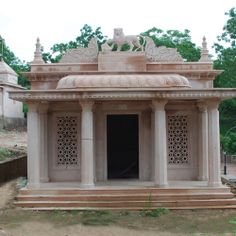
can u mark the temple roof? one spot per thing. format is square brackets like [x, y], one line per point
[122, 81]
[6, 69]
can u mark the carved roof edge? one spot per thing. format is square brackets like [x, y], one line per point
[75, 95]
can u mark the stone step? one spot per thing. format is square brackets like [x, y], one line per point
[115, 191]
[124, 197]
[127, 204]
[128, 208]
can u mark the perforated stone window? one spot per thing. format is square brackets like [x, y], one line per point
[178, 139]
[66, 140]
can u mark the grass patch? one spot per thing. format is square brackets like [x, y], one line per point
[6, 153]
[97, 218]
[181, 222]
[154, 212]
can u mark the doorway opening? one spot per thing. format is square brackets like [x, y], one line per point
[122, 146]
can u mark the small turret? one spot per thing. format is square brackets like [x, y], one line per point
[204, 52]
[38, 54]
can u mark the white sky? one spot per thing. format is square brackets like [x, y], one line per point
[56, 21]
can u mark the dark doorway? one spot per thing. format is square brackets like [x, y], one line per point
[122, 146]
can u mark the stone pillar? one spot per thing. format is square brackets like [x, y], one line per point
[43, 133]
[203, 142]
[213, 144]
[33, 146]
[160, 146]
[87, 146]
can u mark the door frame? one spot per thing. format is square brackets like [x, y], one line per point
[138, 113]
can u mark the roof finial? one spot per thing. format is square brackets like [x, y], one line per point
[204, 51]
[38, 54]
[1, 48]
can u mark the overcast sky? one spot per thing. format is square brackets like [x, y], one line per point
[56, 21]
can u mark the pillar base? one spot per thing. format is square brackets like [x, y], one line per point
[214, 184]
[87, 185]
[33, 186]
[161, 185]
[202, 178]
[44, 180]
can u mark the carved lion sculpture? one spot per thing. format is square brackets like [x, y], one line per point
[120, 39]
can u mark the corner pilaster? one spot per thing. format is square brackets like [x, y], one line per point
[43, 138]
[203, 141]
[213, 143]
[33, 146]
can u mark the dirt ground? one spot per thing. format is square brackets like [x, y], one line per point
[13, 139]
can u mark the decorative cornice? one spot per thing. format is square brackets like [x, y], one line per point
[52, 76]
[171, 94]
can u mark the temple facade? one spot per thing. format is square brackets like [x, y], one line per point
[107, 119]
[11, 112]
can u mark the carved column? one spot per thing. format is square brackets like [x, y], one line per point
[87, 146]
[33, 146]
[43, 138]
[160, 147]
[213, 143]
[203, 142]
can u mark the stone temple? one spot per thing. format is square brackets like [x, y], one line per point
[107, 129]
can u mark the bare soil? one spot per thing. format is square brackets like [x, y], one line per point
[13, 139]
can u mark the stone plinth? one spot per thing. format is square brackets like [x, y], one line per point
[122, 61]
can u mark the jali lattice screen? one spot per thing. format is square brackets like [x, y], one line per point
[67, 140]
[178, 139]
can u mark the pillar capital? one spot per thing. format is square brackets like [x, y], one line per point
[213, 103]
[87, 104]
[202, 106]
[43, 107]
[159, 104]
[33, 106]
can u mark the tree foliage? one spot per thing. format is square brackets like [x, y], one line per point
[15, 63]
[175, 39]
[86, 33]
[226, 60]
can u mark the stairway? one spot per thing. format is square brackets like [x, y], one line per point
[129, 199]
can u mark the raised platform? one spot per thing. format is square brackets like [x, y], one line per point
[129, 197]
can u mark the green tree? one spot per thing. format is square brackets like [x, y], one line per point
[226, 60]
[175, 39]
[15, 63]
[86, 33]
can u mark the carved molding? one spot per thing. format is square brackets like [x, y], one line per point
[162, 53]
[122, 95]
[82, 55]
